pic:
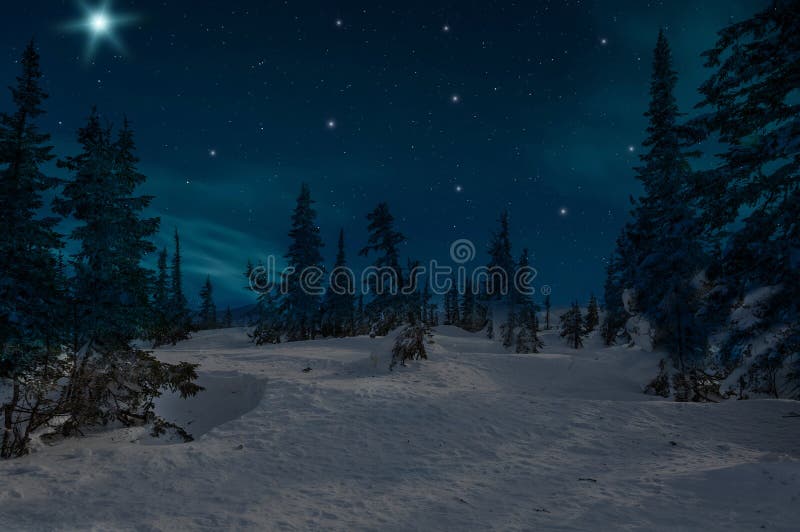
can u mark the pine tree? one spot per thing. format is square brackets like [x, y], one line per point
[592, 319]
[339, 300]
[660, 248]
[527, 340]
[301, 302]
[473, 314]
[161, 302]
[500, 259]
[111, 285]
[27, 262]
[388, 307]
[753, 196]
[33, 302]
[208, 309]
[227, 320]
[108, 378]
[179, 315]
[572, 326]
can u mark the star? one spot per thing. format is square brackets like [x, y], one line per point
[455, 98]
[631, 149]
[562, 211]
[446, 28]
[459, 188]
[603, 41]
[331, 124]
[212, 152]
[100, 24]
[339, 23]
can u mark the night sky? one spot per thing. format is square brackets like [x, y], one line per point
[451, 112]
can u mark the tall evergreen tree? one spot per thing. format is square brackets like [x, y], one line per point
[661, 245]
[179, 316]
[27, 262]
[301, 304]
[111, 285]
[572, 326]
[208, 309]
[109, 379]
[339, 311]
[500, 258]
[161, 302]
[752, 199]
[227, 319]
[388, 307]
[592, 318]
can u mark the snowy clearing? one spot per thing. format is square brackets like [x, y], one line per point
[473, 439]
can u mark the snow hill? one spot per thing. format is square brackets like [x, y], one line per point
[474, 438]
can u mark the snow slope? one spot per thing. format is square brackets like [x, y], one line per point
[472, 439]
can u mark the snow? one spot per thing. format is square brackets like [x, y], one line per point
[475, 438]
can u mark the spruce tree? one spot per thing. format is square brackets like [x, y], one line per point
[161, 302]
[27, 240]
[660, 247]
[592, 319]
[301, 305]
[179, 315]
[33, 304]
[109, 379]
[752, 199]
[500, 259]
[388, 307]
[227, 319]
[339, 301]
[572, 326]
[208, 310]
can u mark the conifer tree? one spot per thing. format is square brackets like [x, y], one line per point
[27, 240]
[660, 248]
[179, 315]
[227, 319]
[388, 307]
[161, 302]
[339, 300]
[109, 379]
[753, 197]
[572, 326]
[500, 258]
[592, 319]
[301, 302]
[208, 309]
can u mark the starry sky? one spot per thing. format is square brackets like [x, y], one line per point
[450, 112]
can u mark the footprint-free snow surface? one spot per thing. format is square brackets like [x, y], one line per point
[474, 438]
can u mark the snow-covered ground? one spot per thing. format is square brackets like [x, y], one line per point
[472, 439]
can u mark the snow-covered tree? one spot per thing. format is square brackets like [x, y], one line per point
[180, 318]
[410, 343]
[340, 299]
[592, 318]
[752, 199]
[388, 307]
[500, 257]
[207, 315]
[302, 301]
[572, 326]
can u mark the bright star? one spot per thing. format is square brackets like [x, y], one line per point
[212, 152]
[455, 98]
[562, 211]
[604, 41]
[331, 124]
[631, 148]
[446, 28]
[100, 24]
[339, 22]
[459, 188]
